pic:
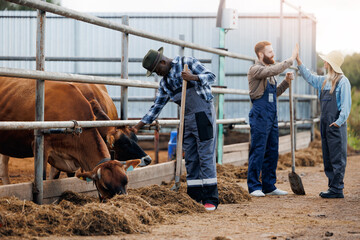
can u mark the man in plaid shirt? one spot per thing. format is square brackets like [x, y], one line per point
[200, 126]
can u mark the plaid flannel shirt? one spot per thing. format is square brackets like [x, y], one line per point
[173, 81]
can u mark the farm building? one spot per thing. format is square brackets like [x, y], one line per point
[75, 47]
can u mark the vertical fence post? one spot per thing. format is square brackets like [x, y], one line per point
[312, 116]
[39, 109]
[313, 90]
[76, 45]
[280, 45]
[124, 71]
[221, 80]
[156, 142]
[251, 105]
[281, 29]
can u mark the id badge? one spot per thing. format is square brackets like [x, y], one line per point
[271, 97]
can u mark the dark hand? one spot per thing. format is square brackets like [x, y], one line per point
[136, 128]
[334, 124]
[188, 76]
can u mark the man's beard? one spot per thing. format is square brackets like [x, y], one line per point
[268, 60]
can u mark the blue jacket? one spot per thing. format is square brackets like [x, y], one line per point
[343, 92]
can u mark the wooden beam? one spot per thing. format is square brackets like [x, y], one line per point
[139, 177]
[20, 190]
[236, 154]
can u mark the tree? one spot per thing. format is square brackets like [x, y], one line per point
[4, 5]
[320, 65]
[351, 69]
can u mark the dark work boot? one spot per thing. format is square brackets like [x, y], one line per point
[331, 194]
[195, 193]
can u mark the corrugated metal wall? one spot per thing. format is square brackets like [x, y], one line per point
[70, 38]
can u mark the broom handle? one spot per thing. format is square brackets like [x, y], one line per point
[181, 130]
[292, 128]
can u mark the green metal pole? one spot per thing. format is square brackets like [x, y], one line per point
[221, 80]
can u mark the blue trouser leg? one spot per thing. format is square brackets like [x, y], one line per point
[270, 160]
[256, 155]
[328, 169]
[192, 166]
[200, 163]
[336, 139]
[208, 170]
[192, 163]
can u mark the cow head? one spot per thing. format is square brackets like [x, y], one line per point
[109, 177]
[125, 147]
[120, 140]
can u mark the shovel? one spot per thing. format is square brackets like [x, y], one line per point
[294, 179]
[179, 154]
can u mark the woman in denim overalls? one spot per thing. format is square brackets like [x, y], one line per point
[335, 97]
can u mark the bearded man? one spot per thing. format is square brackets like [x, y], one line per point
[263, 90]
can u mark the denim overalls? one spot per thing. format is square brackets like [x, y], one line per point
[333, 141]
[263, 154]
[199, 146]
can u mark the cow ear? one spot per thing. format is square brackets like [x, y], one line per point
[131, 164]
[86, 176]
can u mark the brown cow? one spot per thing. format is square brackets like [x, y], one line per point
[105, 178]
[63, 102]
[125, 147]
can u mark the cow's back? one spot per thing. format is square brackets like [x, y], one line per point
[99, 93]
[63, 102]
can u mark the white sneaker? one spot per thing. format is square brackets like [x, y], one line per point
[277, 192]
[257, 193]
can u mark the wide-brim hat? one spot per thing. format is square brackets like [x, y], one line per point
[152, 59]
[335, 59]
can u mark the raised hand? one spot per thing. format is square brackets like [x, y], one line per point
[295, 52]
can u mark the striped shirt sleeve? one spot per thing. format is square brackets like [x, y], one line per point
[206, 77]
[160, 101]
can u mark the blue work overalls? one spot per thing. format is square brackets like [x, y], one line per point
[333, 141]
[199, 146]
[263, 155]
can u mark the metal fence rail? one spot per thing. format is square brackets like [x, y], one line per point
[18, 125]
[283, 124]
[78, 59]
[68, 77]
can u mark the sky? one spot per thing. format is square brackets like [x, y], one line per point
[338, 21]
